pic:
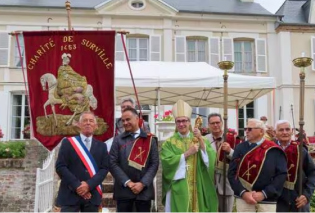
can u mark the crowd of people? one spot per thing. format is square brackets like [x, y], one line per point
[261, 172]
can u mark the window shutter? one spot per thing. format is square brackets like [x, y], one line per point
[4, 49]
[180, 48]
[261, 55]
[228, 50]
[313, 51]
[119, 48]
[155, 48]
[214, 51]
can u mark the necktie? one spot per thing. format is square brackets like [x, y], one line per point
[87, 143]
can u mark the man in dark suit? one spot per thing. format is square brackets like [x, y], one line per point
[290, 201]
[257, 171]
[81, 177]
[134, 161]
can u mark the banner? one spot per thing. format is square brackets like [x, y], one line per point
[69, 72]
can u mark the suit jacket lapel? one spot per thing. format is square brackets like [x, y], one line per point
[93, 147]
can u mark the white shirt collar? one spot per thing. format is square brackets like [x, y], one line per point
[83, 137]
[283, 147]
[184, 136]
[137, 133]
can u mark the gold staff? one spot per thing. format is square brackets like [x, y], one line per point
[68, 8]
[225, 65]
[198, 125]
[301, 62]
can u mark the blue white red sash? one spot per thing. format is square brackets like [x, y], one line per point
[86, 158]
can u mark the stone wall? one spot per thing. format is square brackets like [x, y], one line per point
[18, 178]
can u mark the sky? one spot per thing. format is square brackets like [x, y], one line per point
[271, 5]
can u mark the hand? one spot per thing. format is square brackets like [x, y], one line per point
[83, 188]
[130, 184]
[301, 201]
[248, 198]
[192, 150]
[226, 147]
[87, 196]
[137, 188]
[258, 196]
[197, 133]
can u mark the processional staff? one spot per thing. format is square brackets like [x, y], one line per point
[225, 65]
[301, 62]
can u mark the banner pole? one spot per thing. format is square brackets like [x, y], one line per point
[68, 8]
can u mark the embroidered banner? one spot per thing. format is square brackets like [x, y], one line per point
[69, 72]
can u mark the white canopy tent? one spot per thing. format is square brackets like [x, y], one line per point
[197, 83]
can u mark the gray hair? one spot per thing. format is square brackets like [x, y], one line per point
[87, 113]
[259, 124]
[128, 99]
[214, 114]
[282, 122]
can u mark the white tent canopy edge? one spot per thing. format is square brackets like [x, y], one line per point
[197, 83]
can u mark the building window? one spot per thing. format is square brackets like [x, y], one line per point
[138, 49]
[137, 4]
[20, 117]
[17, 60]
[244, 56]
[243, 114]
[196, 50]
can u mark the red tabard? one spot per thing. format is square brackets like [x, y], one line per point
[231, 139]
[250, 166]
[292, 153]
[140, 152]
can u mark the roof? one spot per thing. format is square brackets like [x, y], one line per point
[219, 6]
[294, 12]
[90, 4]
[195, 6]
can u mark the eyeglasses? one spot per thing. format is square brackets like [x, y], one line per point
[249, 129]
[181, 121]
[215, 123]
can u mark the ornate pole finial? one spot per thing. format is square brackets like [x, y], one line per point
[68, 8]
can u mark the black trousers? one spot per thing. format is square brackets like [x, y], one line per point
[133, 205]
[84, 206]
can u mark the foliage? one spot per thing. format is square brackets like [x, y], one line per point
[12, 149]
[167, 116]
[312, 203]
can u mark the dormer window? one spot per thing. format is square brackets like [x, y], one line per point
[137, 4]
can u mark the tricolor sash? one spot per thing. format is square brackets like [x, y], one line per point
[292, 153]
[250, 166]
[86, 158]
[140, 152]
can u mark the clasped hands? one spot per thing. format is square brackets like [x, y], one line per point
[253, 197]
[84, 191]
[136, 188]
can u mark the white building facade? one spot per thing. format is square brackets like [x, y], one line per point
[169, 30]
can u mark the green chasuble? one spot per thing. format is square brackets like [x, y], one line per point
[182, 190]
